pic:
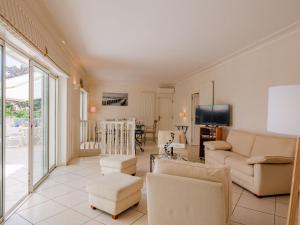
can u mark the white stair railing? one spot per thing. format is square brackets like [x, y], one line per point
[111, 137]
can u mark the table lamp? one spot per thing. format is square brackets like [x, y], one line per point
[284, 118]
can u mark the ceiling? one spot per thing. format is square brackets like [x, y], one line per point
[164, 40]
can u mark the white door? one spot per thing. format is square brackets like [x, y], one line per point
[147, 108]
[165, 112]
[195, 129]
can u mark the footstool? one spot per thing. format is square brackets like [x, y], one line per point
[114, 193]
[118, 163]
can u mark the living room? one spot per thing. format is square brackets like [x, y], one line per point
[97, 91]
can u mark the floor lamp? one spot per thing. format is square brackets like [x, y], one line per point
[284, 118]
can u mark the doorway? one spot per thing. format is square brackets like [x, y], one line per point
[165, 111]
[195, 129]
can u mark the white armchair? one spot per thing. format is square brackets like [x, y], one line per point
[185, 193]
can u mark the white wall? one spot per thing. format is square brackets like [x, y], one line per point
[135, 106]
[243, 80]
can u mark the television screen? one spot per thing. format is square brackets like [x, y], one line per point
[204, 114]
[221, 115]
[213, 115]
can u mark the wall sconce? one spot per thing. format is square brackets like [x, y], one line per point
[93, 109]
[183, 115]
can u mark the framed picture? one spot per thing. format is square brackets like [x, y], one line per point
[114, 99]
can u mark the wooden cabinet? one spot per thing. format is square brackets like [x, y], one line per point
[208, 134]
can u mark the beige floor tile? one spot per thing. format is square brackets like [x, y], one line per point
[234, 223]
[85, 209]
[283, 199]
[56, 191]
[68, 217]
[72, 199]
[251, 217]
[42, 211]
[236, 189]
[17, 220]
[258, 204]
[281, 209]
[280, 220]
[93, 222]
[235, 199]
[32, 200]
[47, 184]
[141, 221]
[142, 206]
[125, 218]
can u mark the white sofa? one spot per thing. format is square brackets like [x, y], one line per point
[263, 164]
[185, 193]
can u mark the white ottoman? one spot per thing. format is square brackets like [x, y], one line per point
[118, 163]
[114, 193]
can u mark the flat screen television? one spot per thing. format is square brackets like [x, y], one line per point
[204, 114]
[218, 115]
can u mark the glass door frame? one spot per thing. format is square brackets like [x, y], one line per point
[55, 78]
[33, 186]
[2, 151]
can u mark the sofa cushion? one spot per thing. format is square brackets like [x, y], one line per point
[217, 145]
[269, 159]
[273, 146]
[218, 155]
[118, 161]
[115, 186]
[241, 142]
[239, 162]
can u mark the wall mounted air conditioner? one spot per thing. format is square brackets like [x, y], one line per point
[165, 90]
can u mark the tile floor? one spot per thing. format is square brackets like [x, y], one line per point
[62, 200]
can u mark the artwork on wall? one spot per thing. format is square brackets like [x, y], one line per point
[114, 99]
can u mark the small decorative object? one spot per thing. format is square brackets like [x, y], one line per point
[114, 99]
[168, 151]
[93, 109]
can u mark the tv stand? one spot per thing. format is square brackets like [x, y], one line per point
[209, 133]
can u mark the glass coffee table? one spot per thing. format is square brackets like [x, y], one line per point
[165, 156]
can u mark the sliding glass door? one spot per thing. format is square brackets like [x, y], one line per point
[28, 133]
[40, 124]
[16, 127]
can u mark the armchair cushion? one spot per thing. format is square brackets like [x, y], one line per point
[219, 174]
[269, 159]
[217, 145]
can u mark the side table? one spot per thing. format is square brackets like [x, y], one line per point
[183, 128]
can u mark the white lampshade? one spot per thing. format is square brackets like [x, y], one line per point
[284, 110]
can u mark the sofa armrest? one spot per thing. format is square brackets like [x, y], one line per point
[217, 145]
[269, 160]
